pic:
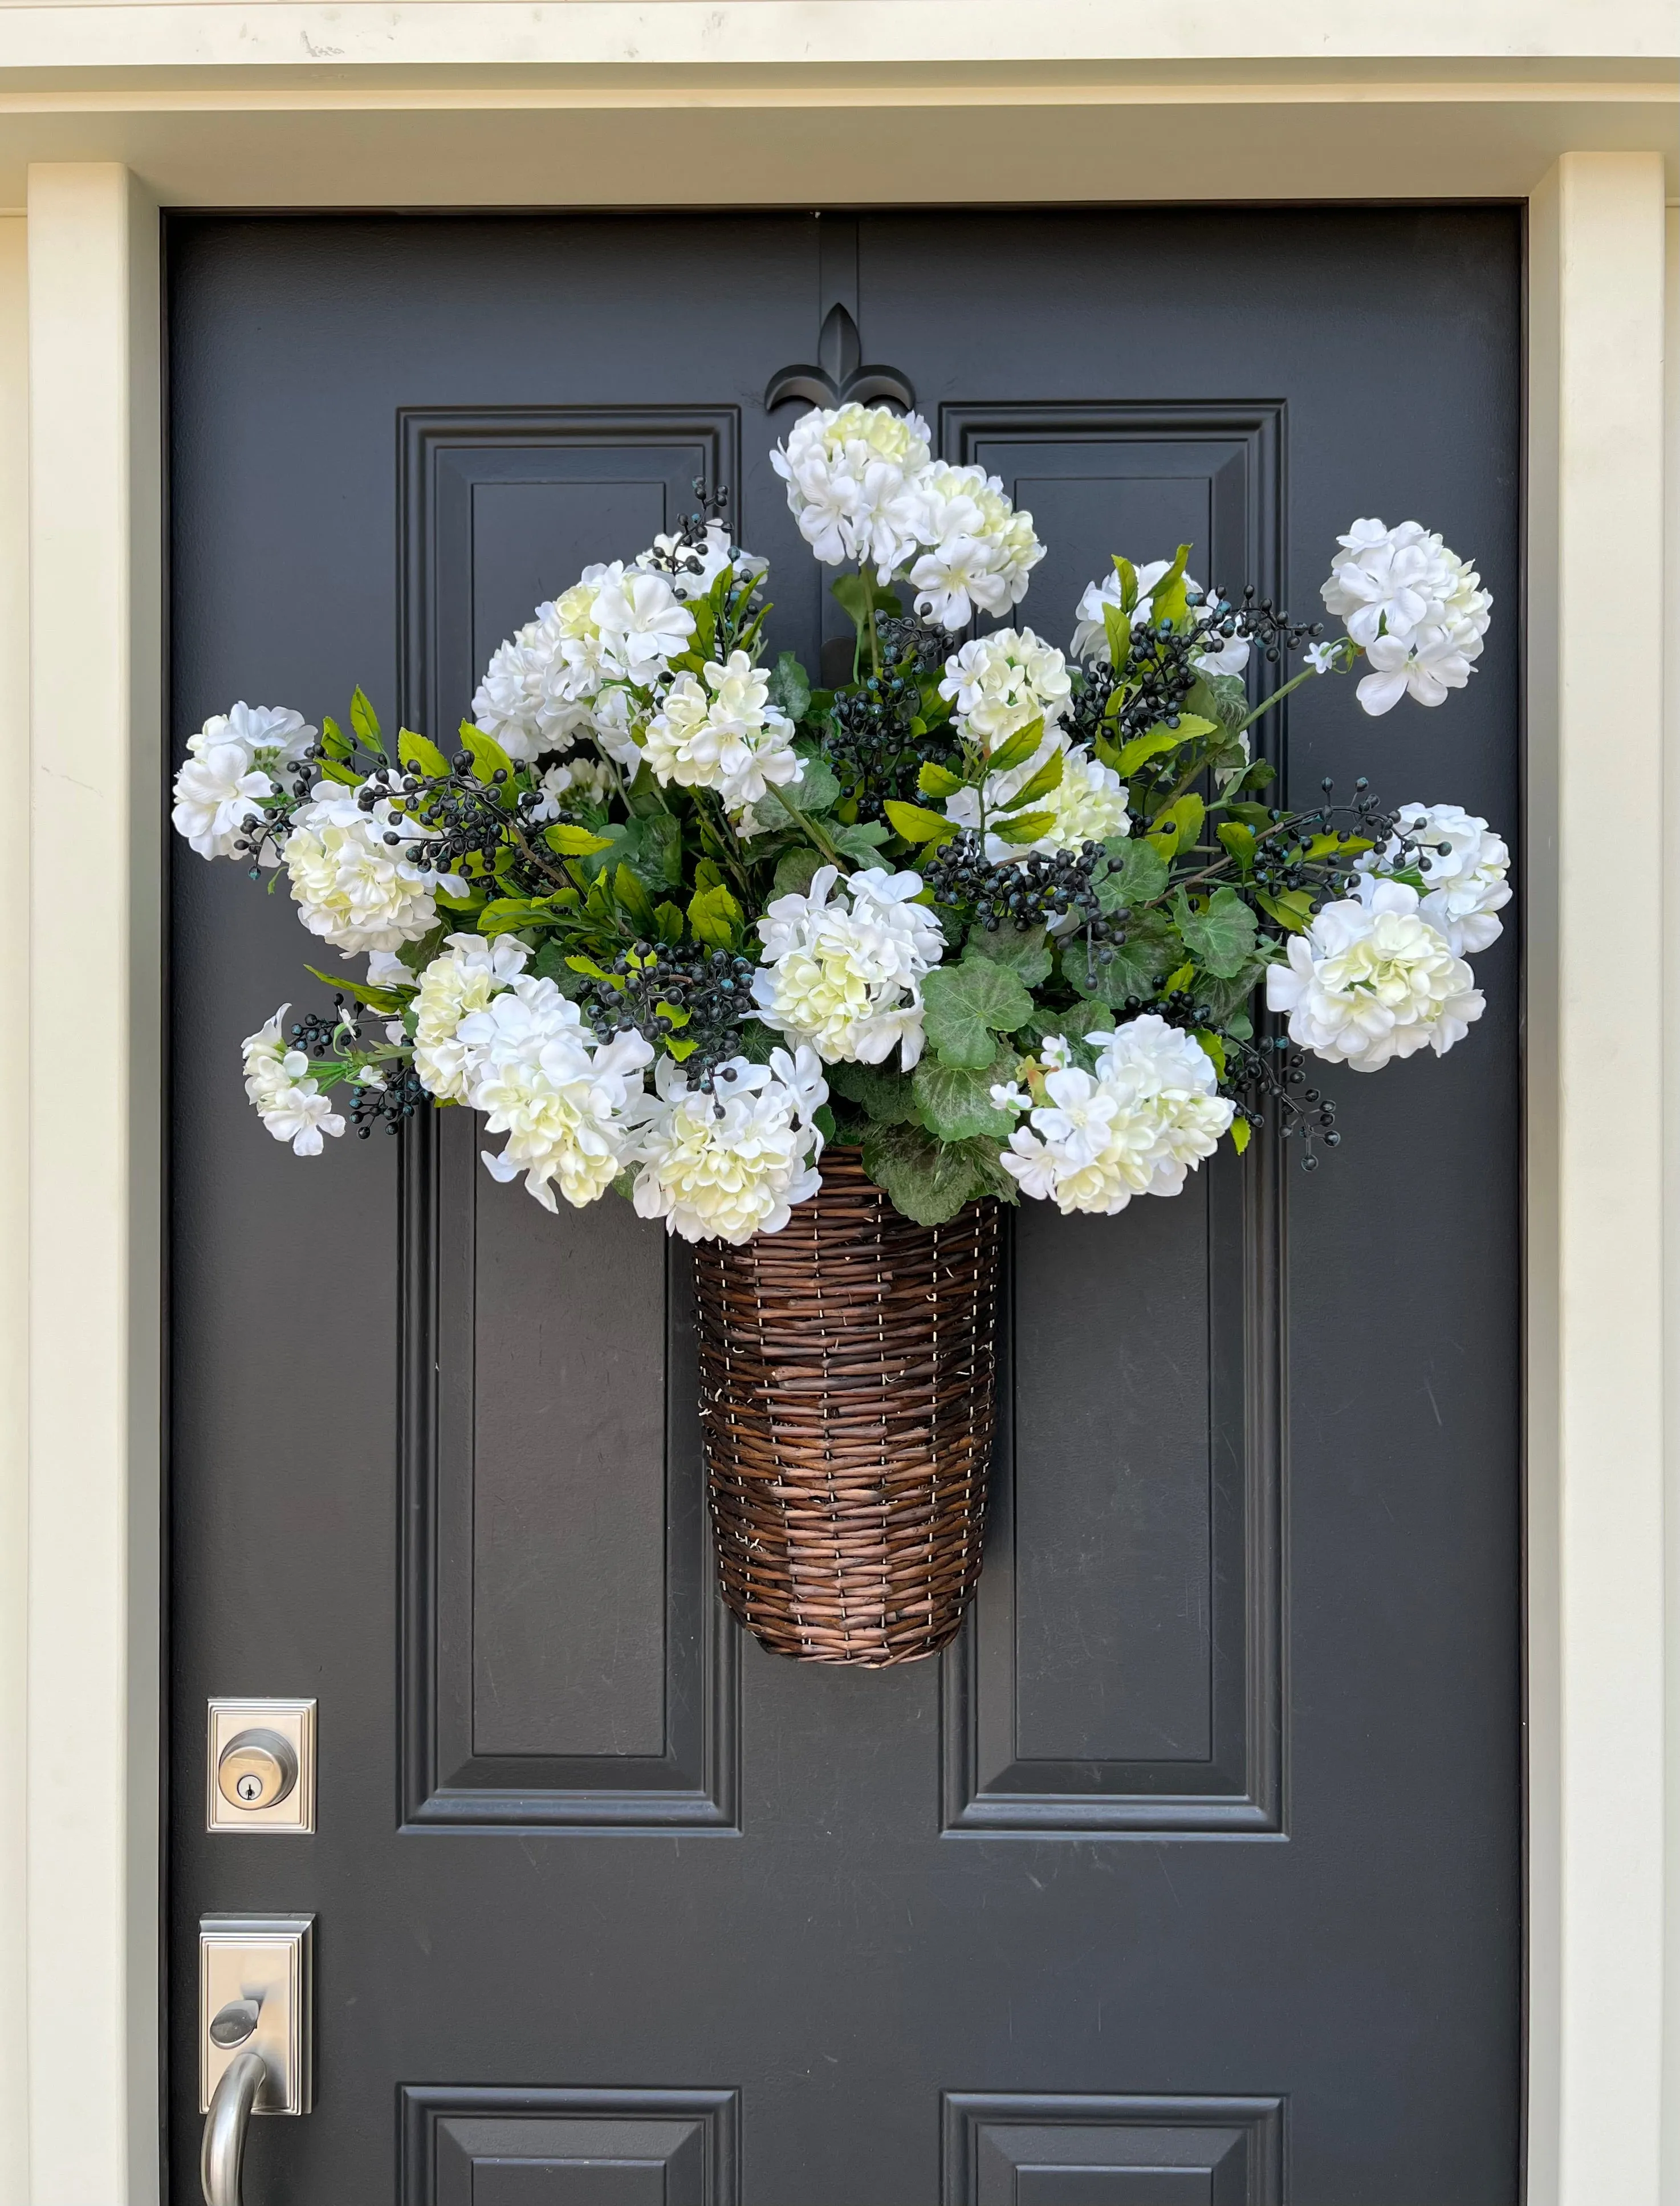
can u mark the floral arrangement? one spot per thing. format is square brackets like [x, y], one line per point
[669, 917]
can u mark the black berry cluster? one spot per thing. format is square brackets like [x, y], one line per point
[1022, 892]
[870, 743]
[713, 987]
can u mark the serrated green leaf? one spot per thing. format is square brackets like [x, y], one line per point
[420, 754]
[1240, 1133]
[336, 770]
[335, 743]
[1239, 841]
[1221, 939]
[571, 841]
[938, 782]
[795, 871]
[1177, 827]
[1214, 1048]
[1167, 598]
[860, 839]
[508, 914]
[489, 759]
[1017, 748]
[887, 1097]
[633, 899]
[715, 918]
[391, 1001]
[1022, 827]
[363, 718]
[1223, 698]
[667, 921]
[964, 1005]
[1048, 777]
[1117, 628]
[916, 823]
[929, 1181]
[790, 687]
[1137, 873]
[1025, 951]
[1128, 574]
[1119, 973]
[858, 593]
[956, 1100]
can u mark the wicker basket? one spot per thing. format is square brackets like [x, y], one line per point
[846, 1392]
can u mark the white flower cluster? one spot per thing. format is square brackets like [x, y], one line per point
[1417, 610]
[1371, 980]
[1090, 637]
[287, 1097]
[999, 684]
[723, 734]
[351, 886]
[1145, 1117]
[846, 977]
[229, 770]
[569, 671]
[571, 781]
[862, 487]
[464, 978]
[1463, 866]
[729, 1165]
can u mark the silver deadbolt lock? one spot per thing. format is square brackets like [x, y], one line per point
[256, 1769]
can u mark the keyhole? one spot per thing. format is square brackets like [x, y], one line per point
[250, 1788]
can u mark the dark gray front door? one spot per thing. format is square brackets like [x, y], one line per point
[1191, 1876]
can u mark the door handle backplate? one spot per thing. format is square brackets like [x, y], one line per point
[255, 1993]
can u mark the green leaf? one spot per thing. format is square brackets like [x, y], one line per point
[1226, 1000]
[860, 839]
[939, 781]
[858, 593]
[1025, 951]
[489, 759]
[1167, 598]
[1177, 827]
[815, 791]
[667, 921]
[1022, 827]
[1240, 1133]
[794, 870]
[364, 719]
[334, 741]
[1159, 738]
[956, 1100]
[965, 1004]
[1048, 777]
[1220, 697]
[929, 1181]
[1221, 939]
[421, 755]
[1017, 748]
[508, 914]
[1117, 973]
[1296, 922]
[571, 841]
[635, 901]
[790, 687]
[755, 1041]
[336, 770]
[1215, 1049]
[887, 1097]
[917, 824]
[1128, 574]
[1137, 872]
[1239, 841]
[391, 1001]
[715, 918]
[1117, 627]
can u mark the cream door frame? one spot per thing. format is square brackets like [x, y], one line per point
[108, 112]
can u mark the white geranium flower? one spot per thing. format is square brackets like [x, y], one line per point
[1463, 866]
[351, 886]
[979, 551]
[691, 569]
[273, 736]
[1374, 980]
[848, 474]
[1144, 1118]
[726, 1165]
[287, 1095]
[1417, 610]
[1088, 804]
[470, 971]
[643, 622]
[846, 976]
[216, 790]
[723, 734]
[1324, 657]
[1425, 664]
[575, 781]
[1090, 636]
[566, 1103]
[999, 682]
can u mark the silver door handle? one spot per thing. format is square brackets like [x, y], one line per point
[225, 2127]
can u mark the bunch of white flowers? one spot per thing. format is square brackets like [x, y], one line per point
[571, 781]
[1372, 980]
[463, 979]
[725, 1165]
[351, 886]
[1463, 866]
[998, 683]
[1417, 610]
[566, 1103]
[287, 1096]
[846, 976]
[979, 551]
[692, 567]
[723, 734]
[851, 475]
[1090, 636]
[230, 769]
[1144, 1117]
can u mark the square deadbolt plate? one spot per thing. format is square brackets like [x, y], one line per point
[267, 1958]
[292, 1720]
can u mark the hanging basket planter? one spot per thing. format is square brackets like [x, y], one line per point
[847, 1391]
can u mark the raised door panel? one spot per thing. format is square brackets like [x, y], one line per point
[495, 2147]
[1031, 2150]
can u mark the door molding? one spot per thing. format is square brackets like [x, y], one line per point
[79, 1671]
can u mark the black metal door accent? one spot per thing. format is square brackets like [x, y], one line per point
[1192, 1873]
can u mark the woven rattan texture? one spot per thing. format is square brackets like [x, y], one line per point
[847, 1394]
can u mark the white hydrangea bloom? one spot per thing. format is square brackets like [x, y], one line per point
[849, 475]
[1090, 636]
[1088, 803]
[1374, 980]
[998, 682]
[229, 768]
[726, 1165]
[287, 1096]
[566, 1103]
[1463, 866]
[467, 974]
[979, 551]
[578, 780]
[1137, 1125]
[1416, 609]
[722, 733]
[513, 703]
[846, 976]
[352, 887]
[671, 556]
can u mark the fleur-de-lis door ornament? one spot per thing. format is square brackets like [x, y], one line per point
[839, 374]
